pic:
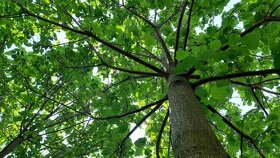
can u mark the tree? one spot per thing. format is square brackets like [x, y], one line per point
[79, 77]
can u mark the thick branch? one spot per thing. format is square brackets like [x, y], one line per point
[249, 139]
[94, 36]
[259, 23]
[236, 75]
[178, 31]
[119, 68]
[160, 133]
[12, 146]
[188, 26]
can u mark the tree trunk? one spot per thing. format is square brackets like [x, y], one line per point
[191, 134]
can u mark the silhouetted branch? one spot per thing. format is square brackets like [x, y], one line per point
[178, 30]
[259, 23]
[237, 75]
[132, 112]
[274, 10]
[254, 85]
[94, 36]
[188, 25]
[150, 54]
[226, 121]
[258, 101]
[158, 35]
[169, 18]
[160, 133]
[119, 68]
[12, 145]
[264, 81]
[136, 126]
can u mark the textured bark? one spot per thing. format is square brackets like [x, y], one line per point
[191, 134]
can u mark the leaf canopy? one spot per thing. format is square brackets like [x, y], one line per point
[78, 77]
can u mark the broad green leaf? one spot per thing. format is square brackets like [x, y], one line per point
[181, 54]
[234, 39]
[74, 75]
[252, 40]
[276, 60]
[216, 44]
[141, 142]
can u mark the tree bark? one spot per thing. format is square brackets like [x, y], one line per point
[191, 134]
[11, 146]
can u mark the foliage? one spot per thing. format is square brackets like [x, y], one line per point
[78, 77]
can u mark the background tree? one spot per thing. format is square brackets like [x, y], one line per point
[79, 77]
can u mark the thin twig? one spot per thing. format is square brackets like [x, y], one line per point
[237, 75]
[136, 126]
[248, 138]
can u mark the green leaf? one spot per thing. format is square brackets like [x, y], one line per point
[216, 44]
[234, 39]
[123, 127]
[181, 54]
[275, 140]
[186, 64]
[149, 40]
[276, 59]
[141, 142]
[252, 40]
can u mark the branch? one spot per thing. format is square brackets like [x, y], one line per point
[12, 145]
[169, 18]
[178, 31]
[259, 23]
[150, 54]
[126, 79]
[132, 112]
[160, 133]
[136, 126]
[256, 25]
[188, 25]
[43, 105]
[237, 75]
[158, 35]
[226, 121]
[121, 69]
[274, 10]
[94, 36]
[254, 85]
[258, 101]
